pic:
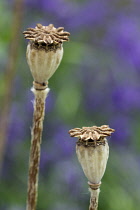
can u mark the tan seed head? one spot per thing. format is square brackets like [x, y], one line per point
[92, 150]
[44, 50]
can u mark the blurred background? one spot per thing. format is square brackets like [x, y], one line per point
[98, 82]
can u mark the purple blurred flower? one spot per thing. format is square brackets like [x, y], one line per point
[97, 91]
[57, 9]
[63, 142]
[73, 14]
[61, 8]
[29, 97]
[123, 130]
[50, 102]
[16, 129]
[123, 35]
[92, 12]
[48, 157]
[33, 3]
[93, 101]
[68, 174]
[58, 145]
[126, 97]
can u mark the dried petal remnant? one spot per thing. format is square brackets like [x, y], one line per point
[48, 35]
[94, 132]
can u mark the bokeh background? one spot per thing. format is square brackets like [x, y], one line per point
[98, 82]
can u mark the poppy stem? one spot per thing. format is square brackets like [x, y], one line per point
[34, 159]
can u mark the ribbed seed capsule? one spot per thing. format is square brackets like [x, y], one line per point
[42, 63]
[93, 160]
[92, 150]
[45, 50]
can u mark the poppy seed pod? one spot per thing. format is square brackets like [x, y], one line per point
[44, 50]
[92, 150]
[93, 161]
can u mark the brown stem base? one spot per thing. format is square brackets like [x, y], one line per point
[34, 160]
[94, 199]
[94, 195]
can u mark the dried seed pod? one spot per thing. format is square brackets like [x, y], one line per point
[93, 160]
[44, 50]
[92, 150]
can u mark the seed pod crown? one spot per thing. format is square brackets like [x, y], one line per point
[42, 36]
[91, 136]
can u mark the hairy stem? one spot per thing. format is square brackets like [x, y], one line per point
[94, 196]
[34, 160]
